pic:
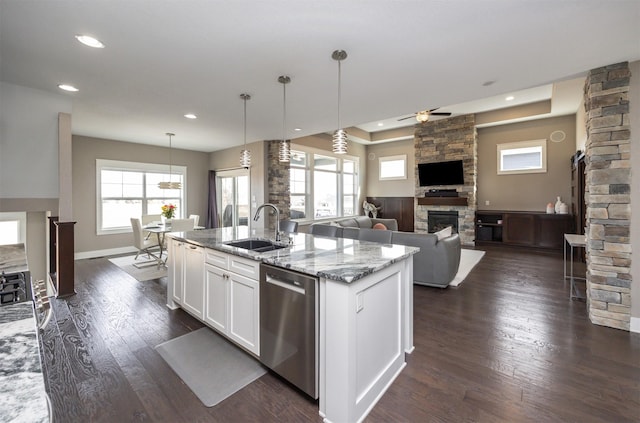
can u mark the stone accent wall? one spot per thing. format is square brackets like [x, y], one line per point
[443, 140]
[608, 196]
[277, 182]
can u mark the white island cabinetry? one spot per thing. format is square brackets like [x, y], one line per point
[175, 264]
[193, 292]
[232, 298]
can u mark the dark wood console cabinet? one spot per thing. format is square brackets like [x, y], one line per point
[526, 229]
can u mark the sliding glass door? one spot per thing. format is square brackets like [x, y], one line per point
[233, 197]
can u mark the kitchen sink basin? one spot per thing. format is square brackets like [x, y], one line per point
[259, 245]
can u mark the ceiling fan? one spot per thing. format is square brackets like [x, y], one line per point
[423, 116]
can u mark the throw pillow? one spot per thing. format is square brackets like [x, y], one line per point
[444, 233]
[379, 226]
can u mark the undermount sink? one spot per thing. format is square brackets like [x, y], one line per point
[259, 245]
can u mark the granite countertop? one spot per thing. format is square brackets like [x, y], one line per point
[24, 398]
[339, 259]
[13, 258]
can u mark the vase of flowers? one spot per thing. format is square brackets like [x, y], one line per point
[168, 210]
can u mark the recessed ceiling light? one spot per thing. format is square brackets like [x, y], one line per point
[89, 41]
[509, 98]
[380, 124]
[297, 129]
[190, 116]
[68, 87]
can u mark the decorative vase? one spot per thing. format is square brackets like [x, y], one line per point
[558, 205]
[165, 220]
[564, 209]
[550, 209]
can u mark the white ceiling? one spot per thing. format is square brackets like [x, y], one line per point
[167, 58]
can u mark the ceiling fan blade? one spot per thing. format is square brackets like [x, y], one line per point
[408, 117]
[440, 114]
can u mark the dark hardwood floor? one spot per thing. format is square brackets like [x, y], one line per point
[507, 345]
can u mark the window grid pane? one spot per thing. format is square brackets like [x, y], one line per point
[130, 193]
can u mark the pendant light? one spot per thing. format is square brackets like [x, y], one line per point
[284, 153]
[339, 136]
[245, 155]
[170, 185]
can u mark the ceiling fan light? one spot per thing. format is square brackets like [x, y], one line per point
[422, 116]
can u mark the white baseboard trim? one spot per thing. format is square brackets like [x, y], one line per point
[103, 253]
[634, 325]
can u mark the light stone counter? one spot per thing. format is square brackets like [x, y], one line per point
[24, 398]
[13, 258]
[338, 259]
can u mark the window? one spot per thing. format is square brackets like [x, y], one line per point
[322, 185]
[127, 189]
[393, 167]
[522, 157]
[13, 228]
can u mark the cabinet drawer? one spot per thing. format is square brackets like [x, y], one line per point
[246, 267]
[217, 258]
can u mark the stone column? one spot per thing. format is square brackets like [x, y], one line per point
[278, 182]
[607, 196]
[454, 138]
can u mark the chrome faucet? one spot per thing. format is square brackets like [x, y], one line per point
[257, 216]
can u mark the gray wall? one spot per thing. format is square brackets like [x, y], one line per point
[85, 152]
[634, 107]
[29, 137]
[394, 188]
[526, 192]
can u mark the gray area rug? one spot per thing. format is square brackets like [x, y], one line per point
[211, 366]
[468, 260]
[148, 267]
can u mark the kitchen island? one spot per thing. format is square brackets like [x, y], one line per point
[365, 308]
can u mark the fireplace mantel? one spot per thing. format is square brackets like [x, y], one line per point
[443, 201]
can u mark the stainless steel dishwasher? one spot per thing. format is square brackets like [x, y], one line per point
[289, 326]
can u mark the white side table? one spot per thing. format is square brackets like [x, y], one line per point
[574, 241]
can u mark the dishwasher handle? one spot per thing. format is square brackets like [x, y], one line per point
[286, 284]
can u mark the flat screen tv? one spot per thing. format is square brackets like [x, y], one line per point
[441, 173]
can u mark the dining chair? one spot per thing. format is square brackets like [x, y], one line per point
[143, 245]
[196, 219]
[288, 226]
[147, 219]
[182, 225]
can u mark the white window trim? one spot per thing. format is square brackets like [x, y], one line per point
[401, 157]
[309, 181]
[522, 144]
[103, 164]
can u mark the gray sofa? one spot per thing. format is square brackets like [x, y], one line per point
[435, 265]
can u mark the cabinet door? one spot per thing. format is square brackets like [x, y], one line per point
[518, 229]
[551, 230]
[217, 293]
[244, 312]
[176, 258]
[193, 298]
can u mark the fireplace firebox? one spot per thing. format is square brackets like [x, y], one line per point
[438, 220]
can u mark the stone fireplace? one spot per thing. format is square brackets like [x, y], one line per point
[441, 140]
[438, 220]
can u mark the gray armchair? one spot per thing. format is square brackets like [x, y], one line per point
[436, 264]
